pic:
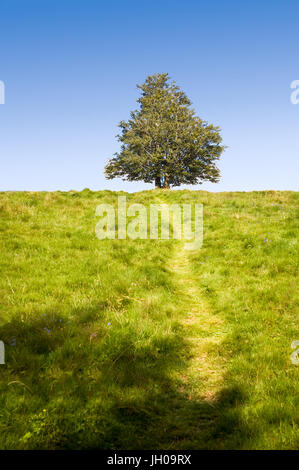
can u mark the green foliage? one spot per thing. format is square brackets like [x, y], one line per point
[164, 142]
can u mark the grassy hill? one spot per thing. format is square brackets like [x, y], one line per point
[139, 344]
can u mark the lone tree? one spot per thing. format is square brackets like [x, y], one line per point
[164, 142]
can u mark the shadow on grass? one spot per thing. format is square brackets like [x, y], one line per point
[62, 388]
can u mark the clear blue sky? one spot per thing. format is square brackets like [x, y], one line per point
[70, 68]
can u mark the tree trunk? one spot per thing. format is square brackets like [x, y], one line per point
[161, 183]
[166, 184]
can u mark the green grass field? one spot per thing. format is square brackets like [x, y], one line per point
[140, 344]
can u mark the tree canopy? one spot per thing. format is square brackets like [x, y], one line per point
[164, 141]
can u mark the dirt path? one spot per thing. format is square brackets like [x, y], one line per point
[203, 332]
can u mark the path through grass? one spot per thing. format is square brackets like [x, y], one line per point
[203, 332]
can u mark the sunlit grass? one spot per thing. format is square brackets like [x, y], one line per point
[96, 349]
